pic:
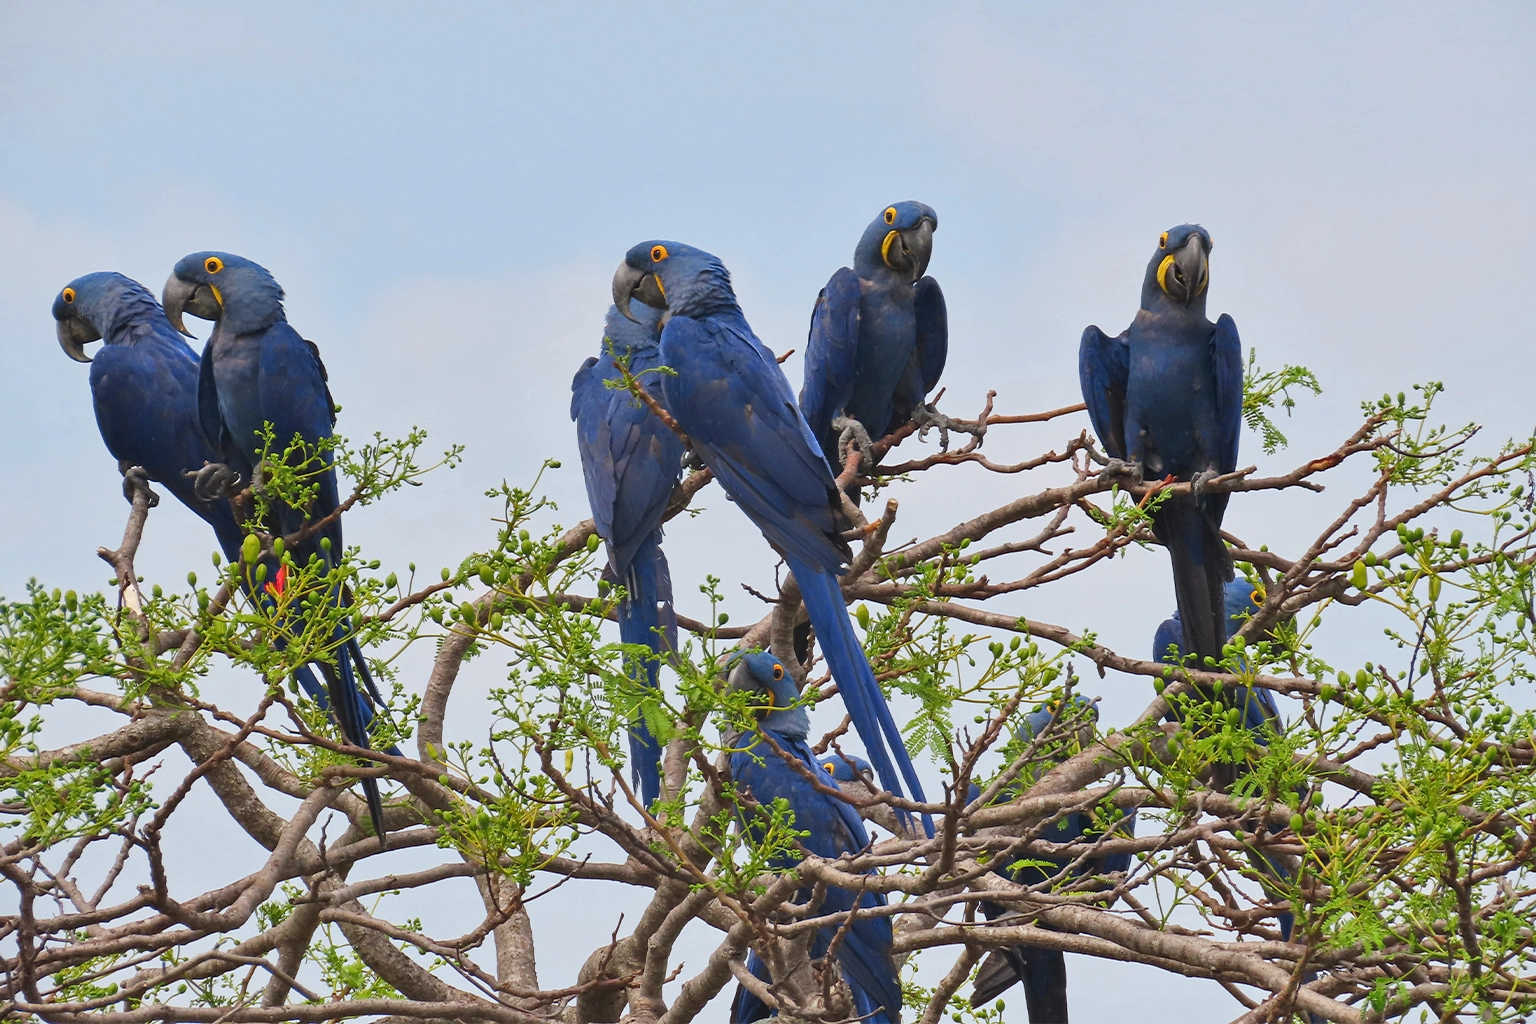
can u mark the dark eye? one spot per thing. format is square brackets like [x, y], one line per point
[778, 671]
[827, 767]
[213, 264]
[69, 295]
[1162, 242]
[890, 215]
[1257, 597]
[658, 253]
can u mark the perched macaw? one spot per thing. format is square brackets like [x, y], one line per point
[835, 829]
[631, 461]
[847, 767]
[144, 390]
[1166, 395]
[1260, 712]
[879, 336]
[1044, 971]
[257, 370]
[730, 397]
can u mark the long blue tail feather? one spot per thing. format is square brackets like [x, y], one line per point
[647, 608]
[856, 680]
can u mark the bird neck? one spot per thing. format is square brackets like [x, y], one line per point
[790, 723]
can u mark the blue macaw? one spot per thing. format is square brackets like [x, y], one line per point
[847, 767]
[1044, 971]
[144, 390]
[1166, 395]
[257, 370]
[733, 401]
[879, 335]
[835, 829]
[1260, 712]
[631, 461]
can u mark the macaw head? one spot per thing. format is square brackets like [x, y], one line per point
[1241, 601]
[99, 306]
[899, 241]
[1081, 712]
[847, 767]
[223, 287]
[1180, 270]
[675, 277]
[762, 673]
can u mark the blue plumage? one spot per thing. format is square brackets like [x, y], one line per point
[835, 829]
[144, 391]
[1044, 971]
[630, 461]
[879, 331]
[733, 401]
[1167, 395]
[257, 370]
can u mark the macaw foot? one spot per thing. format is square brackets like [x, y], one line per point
[1119, 469]
[853, 435]
[1200, 480]
[692, 461]
[135, 477]
[926, 418]
[213, 481]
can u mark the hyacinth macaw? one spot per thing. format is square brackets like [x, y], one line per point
[144, 390]
[835, 829]
[847, 767]
[1044, 971]
[879, 335]
[1166, 395]
[730, 397]
[630, 461]
[257, 370]
[1260, 712]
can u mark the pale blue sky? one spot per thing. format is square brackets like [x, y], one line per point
[445, 192]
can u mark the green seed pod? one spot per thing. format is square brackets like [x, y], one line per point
[325, 544]
[1455, 538]
[191, 579]
[1434, 589]
[391, 581]
[278, 545]
[72, 600]
[250, 549]
[446, 574]
[1298, 824]
[496, 620]
[1357, 576]
[724, 618]
[487, 576]
[217, 560]
[260, 574]
[594, 542]
[467, 613]
[861, 613]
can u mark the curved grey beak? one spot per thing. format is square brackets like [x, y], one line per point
[919, 243]
[1191, 269]
[197, 299]
[74, 335]
[740, 679]
[910, 250]
[629, 283]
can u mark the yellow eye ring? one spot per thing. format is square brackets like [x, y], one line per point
[890, 215]
[658, 253]
[827, 767]
[69, 295]
[1162, 241]
[778, 671]
[1257, 597]
[213, 264]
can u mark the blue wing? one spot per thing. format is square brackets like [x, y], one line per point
[146, 401]
[738, 409]
[932, 332]
[831, 352]
[1103, 368]
[1227, 362]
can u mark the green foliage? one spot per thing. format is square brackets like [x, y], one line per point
[1264, 390]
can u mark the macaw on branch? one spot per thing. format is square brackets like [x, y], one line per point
[630, 461]
[257, 370]
[879, 336]
[1166, 395]
[835, 828]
